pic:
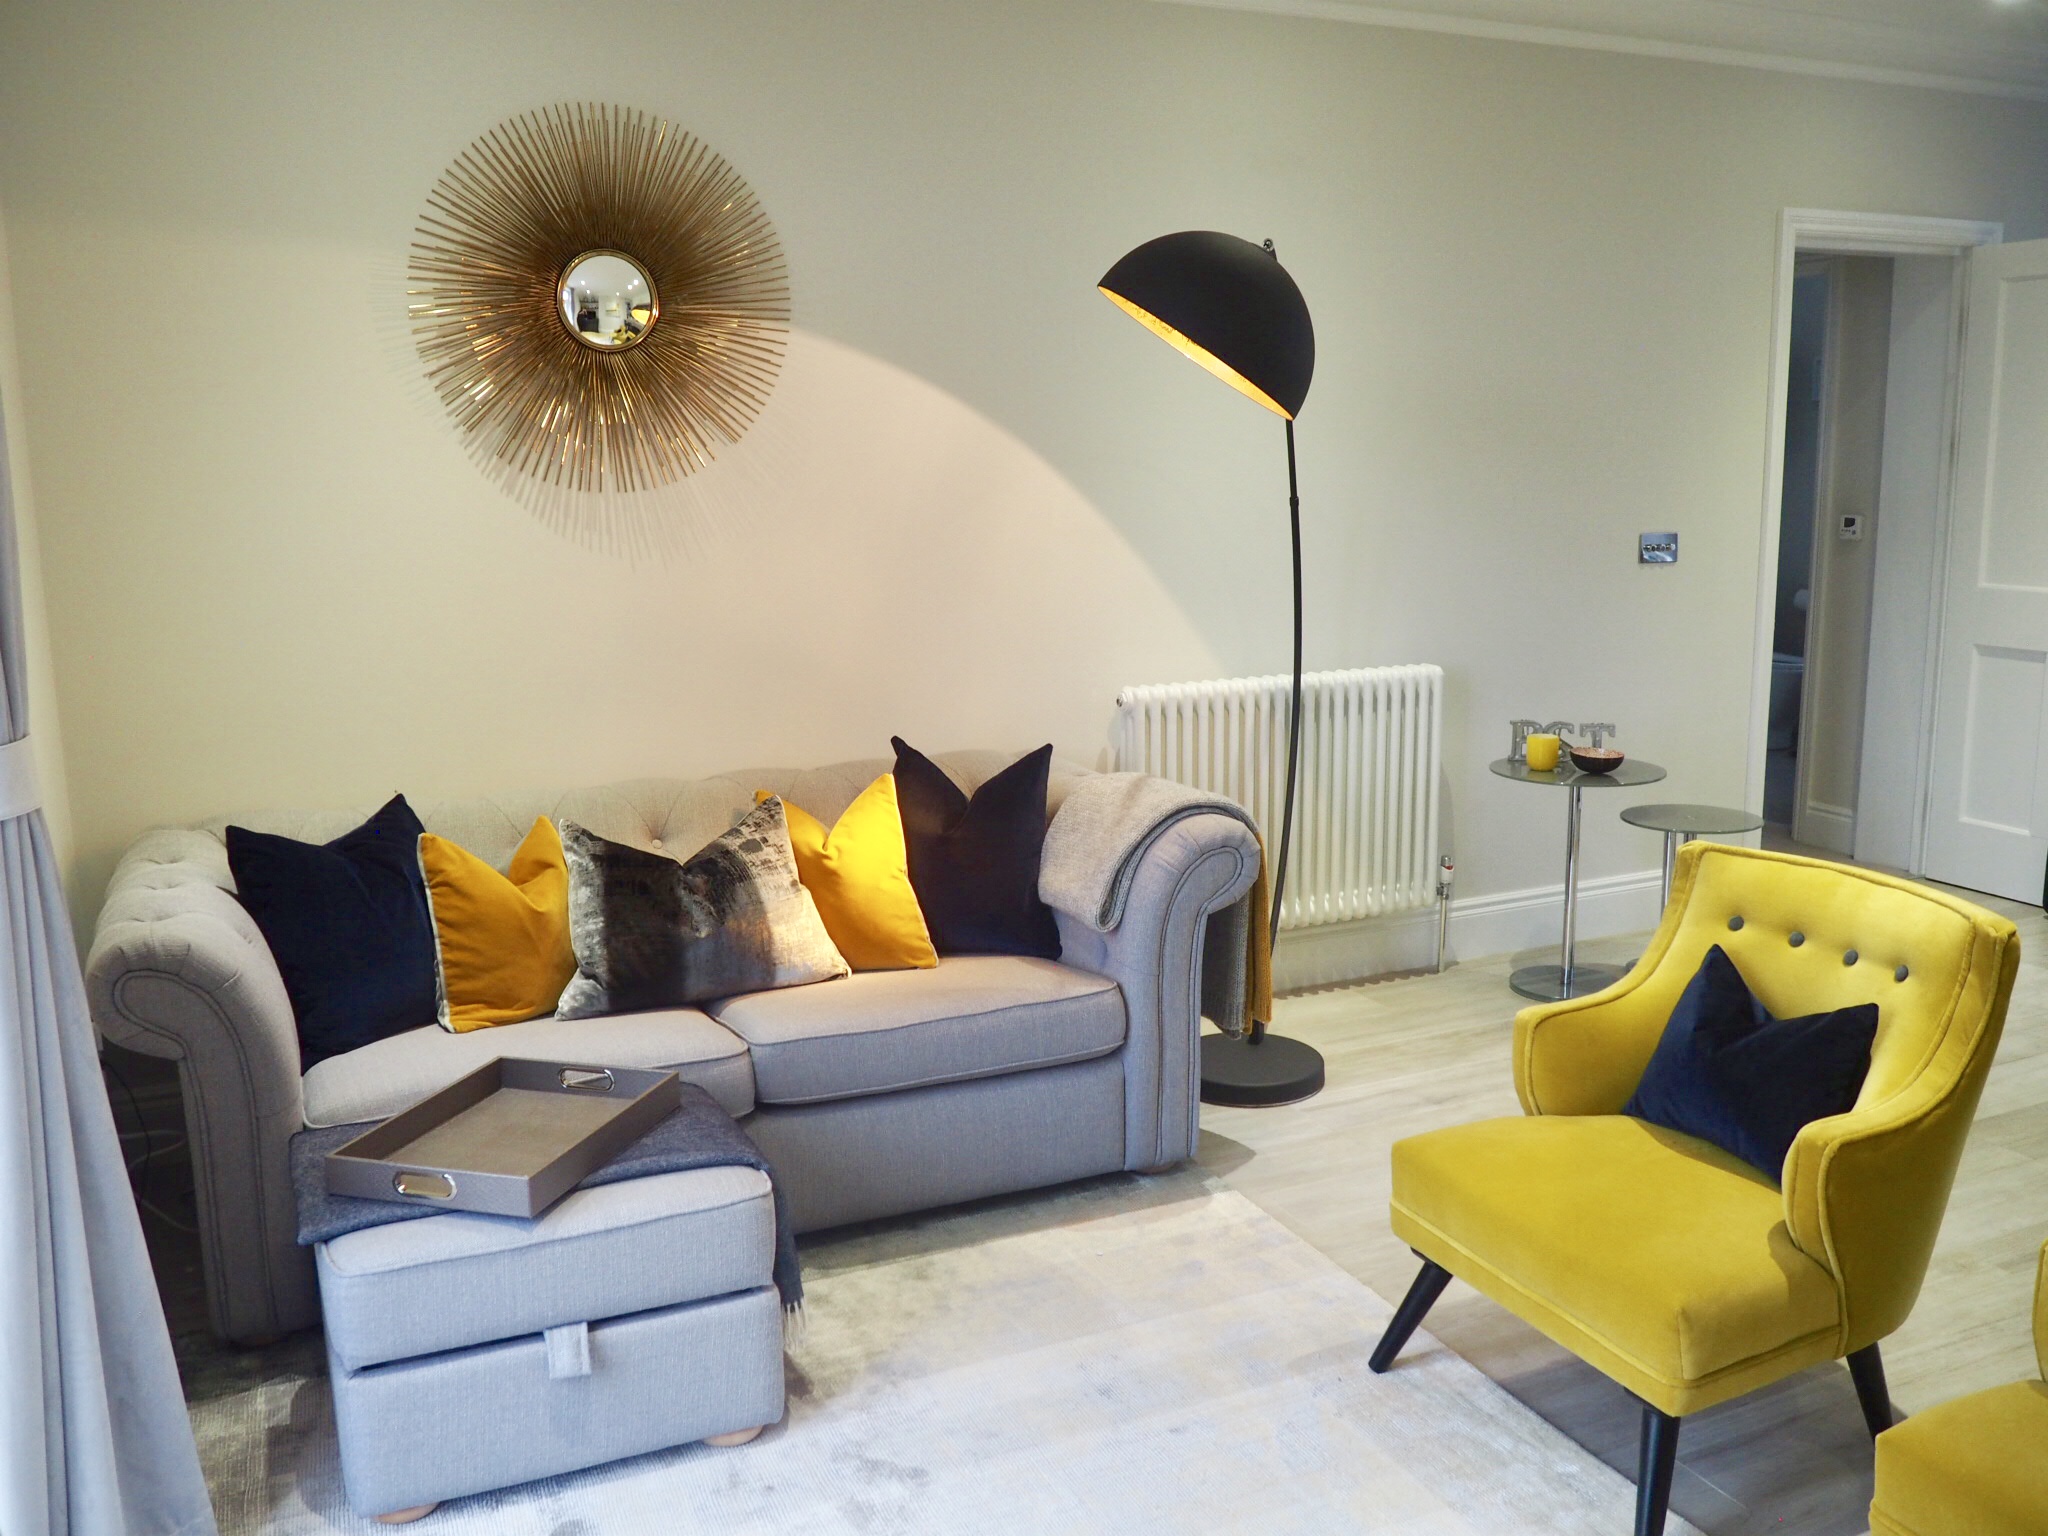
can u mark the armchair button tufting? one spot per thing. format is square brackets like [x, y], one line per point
[1735, 925]
[1795, 939]
[1851, 958]
[1900, 974]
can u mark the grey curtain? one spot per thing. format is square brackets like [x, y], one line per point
[93, 1435]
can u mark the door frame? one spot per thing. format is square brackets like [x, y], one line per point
[1803, 729]
[1826, 232]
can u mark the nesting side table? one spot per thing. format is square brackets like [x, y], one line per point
[1569, 978]
[1683, 823]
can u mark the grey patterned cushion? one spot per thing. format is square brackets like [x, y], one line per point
[652, 933]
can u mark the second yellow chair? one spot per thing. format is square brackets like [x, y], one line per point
[1977, 1466]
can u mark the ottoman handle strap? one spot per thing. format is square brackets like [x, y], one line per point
[568, 1351]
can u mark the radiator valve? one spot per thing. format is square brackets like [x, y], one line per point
[1445, 871]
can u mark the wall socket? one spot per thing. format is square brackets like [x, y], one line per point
[1657, 549]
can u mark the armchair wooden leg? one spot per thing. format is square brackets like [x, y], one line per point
[1657, 1457]
[1866, 1369]
[1408, 1316]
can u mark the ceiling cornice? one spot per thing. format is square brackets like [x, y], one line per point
[1746, 35]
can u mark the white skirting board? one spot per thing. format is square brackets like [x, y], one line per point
[1504, 923]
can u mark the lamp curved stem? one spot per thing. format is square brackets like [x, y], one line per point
[1294, 708]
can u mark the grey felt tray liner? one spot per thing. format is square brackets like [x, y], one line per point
[510, 1139]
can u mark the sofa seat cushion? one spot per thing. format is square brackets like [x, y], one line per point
[1654, 1255]
[412, 1288]
[1975, 1464]
[879, 1031]
[379, 1079]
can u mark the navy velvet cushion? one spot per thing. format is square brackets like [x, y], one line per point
[1727, 1072]
[974, 863]
[348, 924]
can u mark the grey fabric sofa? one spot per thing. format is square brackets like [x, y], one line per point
[875, 1095]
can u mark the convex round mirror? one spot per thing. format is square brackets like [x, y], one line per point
[608, 300]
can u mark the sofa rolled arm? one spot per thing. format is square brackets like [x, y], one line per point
[178, 969]
[1194, 868]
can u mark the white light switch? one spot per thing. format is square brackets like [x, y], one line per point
[1852, 525]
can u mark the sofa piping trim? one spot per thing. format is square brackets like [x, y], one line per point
[578, 1240]
[409, 1362]
[1108, 985]
[1007, 1070]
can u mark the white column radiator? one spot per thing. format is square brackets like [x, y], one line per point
[1366, 807]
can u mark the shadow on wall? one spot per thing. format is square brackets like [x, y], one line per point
[922, 563]
[873, 557]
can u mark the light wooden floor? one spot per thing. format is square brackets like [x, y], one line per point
[1410, 1055]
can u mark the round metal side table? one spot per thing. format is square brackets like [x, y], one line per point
[1683, 823]
[1569, 978]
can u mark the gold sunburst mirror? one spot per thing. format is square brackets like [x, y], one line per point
[599, 300]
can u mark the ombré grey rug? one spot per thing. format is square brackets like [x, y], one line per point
[1129, 1356]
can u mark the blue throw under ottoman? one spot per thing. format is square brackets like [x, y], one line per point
[470, 1352]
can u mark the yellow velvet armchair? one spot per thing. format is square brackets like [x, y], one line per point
[1975, 1467]
[1678, 1270]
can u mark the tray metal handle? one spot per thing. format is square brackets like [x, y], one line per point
[429, 1186]
[587, 1079]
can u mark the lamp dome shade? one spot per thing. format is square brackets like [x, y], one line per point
[1226, 303]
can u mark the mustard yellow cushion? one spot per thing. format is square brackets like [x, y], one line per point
[1651, 1254]
[1978, 1465]
[502, 943]
[858, 873]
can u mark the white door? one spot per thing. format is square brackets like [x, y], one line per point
[1987, 823]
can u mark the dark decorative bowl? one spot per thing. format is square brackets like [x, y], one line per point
[1596, 759]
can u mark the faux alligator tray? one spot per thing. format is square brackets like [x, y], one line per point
[510, 1139]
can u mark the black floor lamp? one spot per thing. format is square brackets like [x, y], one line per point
[1231, 306]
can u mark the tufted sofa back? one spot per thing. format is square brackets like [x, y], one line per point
[675, 816]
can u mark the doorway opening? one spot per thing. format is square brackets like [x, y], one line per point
[1829, 526]
[1849, 595]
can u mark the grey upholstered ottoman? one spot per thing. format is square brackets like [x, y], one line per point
[474, 1352]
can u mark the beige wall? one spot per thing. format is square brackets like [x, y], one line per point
[1541, 281]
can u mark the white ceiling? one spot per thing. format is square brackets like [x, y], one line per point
[1995, 46]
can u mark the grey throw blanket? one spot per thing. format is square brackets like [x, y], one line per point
[1104, 826]
[1092, 852]
[700, 1134]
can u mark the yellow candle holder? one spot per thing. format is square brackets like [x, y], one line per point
[1540, 752]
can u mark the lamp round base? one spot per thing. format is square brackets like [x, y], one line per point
[1259, 1074]
[1546, 983]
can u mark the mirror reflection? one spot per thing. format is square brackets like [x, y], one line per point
[607, 300]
